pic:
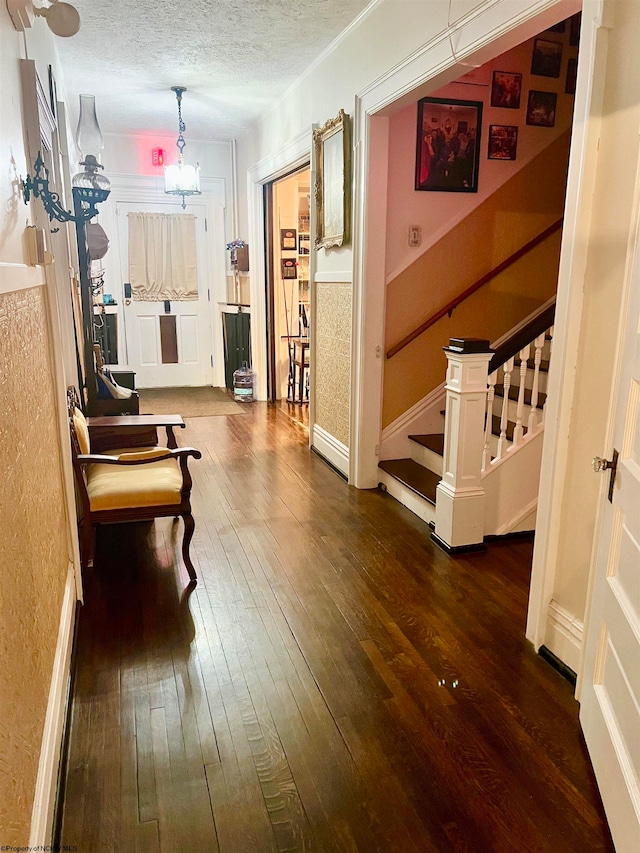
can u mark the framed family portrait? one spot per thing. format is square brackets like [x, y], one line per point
[503, 141]
[332, 151]
[448, 145]
[541, 108]
[506, 87]
[547, 58]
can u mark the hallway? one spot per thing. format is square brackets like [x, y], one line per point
[333, 683]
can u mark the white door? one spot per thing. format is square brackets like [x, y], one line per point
[610, 701]
[167, 348]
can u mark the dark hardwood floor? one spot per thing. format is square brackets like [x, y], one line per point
[333, 683]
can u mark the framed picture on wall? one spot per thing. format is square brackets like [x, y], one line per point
[288, 240]
[547, 58]
[448, 145]
[541, 108]
[332, 154]
[506, 87]
[503, 142]
[289, 268]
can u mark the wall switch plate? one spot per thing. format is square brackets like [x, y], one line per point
[415, 235]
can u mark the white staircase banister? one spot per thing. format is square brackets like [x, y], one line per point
[460, 496]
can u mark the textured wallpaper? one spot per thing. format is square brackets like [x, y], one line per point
[33, 549]
[333, 358]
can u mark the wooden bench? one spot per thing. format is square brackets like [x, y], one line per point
[129, 483]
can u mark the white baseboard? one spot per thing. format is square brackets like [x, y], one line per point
[50, 752]
[563, 635]
[334, 451]
[422, 418]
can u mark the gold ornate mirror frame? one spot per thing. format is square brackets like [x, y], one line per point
[332, 146]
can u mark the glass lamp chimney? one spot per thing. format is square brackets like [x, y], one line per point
[88, 135]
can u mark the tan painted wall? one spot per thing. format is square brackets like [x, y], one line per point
[332, 381]
[523, 207]
[33, 544]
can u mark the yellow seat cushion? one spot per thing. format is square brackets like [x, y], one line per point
[127, 487]
[82, 431]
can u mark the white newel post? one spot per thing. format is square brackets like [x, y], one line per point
[460, 496]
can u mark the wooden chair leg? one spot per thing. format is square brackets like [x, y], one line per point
[189, 527]
[86, 543]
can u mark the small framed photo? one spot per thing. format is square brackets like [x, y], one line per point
[541, 108]
[547, 58]
[505, 90]
[572, 74]
[503, 142]
[288, 240]
[289, 268]
[448, 145]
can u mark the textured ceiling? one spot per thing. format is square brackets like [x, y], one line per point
[234, 56]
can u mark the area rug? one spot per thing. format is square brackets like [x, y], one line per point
[190, 402]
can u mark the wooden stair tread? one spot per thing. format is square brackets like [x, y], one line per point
[514, 391]
[434, 442]
[413, 475]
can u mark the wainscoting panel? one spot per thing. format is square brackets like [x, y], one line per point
[34, 548]
[332, 359]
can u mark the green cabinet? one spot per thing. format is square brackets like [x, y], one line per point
[236, 328]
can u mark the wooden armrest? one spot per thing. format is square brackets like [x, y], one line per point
[131, 430]
[97, 459]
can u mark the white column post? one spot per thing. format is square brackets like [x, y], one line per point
[460, 496]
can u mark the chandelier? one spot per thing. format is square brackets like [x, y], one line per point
[181, 180]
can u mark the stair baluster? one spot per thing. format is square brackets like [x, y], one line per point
[537, 358]
[504, 417]
[518, 432]
[491, 391]
[550, 339]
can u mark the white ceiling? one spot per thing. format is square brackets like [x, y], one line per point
[234, 56]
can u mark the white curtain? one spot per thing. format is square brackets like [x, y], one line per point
[162, 257]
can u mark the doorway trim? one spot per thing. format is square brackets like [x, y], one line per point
[295, 155]
[483, 33]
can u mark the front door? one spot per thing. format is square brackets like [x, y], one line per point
[610, 701]
[167, 344]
